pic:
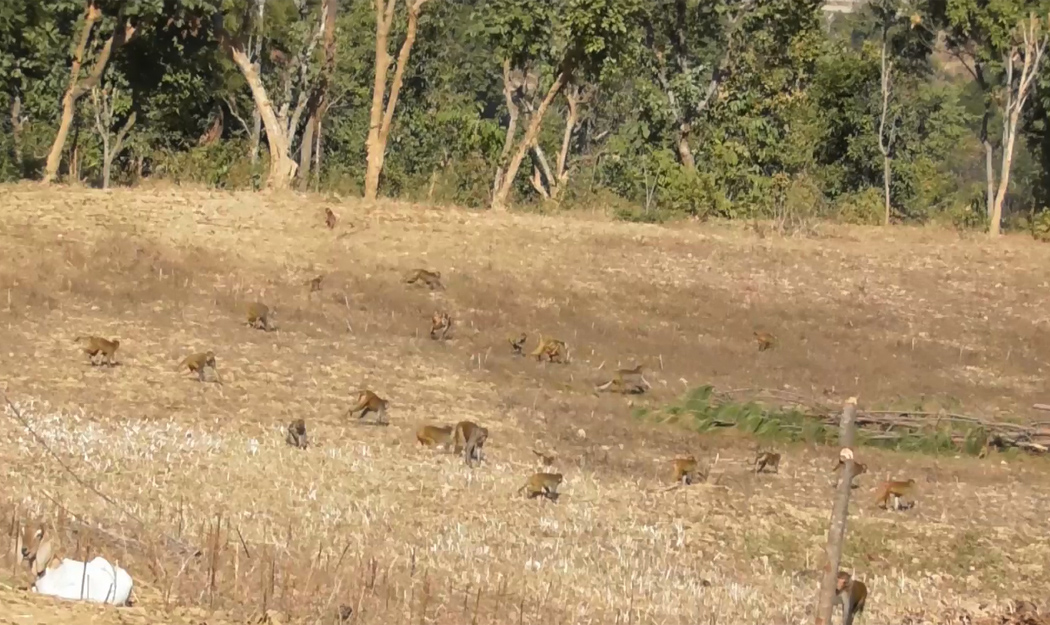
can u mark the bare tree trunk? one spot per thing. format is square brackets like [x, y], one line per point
[102, 100]
[256, 134]
[16, 131]
[306, 152]
[512, 128]
[884, 142]
[989, 167]
[380, 119]
[75, 91]
[839, 514]
[1033, 47]
[282, 167]
[499, 198]
[685, 152]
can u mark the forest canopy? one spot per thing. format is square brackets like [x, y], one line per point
[903, 111]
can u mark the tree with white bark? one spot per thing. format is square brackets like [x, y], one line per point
[281, 103]
[109, 103]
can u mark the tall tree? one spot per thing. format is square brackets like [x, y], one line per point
[296, 75]
[1001, 43]
[122, 30]
[565, 41]
[382, 116]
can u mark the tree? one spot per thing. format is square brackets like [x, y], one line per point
[123, 30]
[108, 103]
[318, 103]
[902, 47]
[991, 38]
[295, 84]
[550, 183]
[381, 117]
[568, 40]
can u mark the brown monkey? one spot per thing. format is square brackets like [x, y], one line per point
[367, 401]
[314, 283]
[684, 470]
[852, 594]
[546, 459]
[296, 434]
[469, 438]
[428, 435]
[893, 489]
[197, 363]
[430, 278]
[440, 325]
[329, 218]
[542, 484]
[767, 459]
[99, 349]
[627, 381]
[517, 343]
[553, 349]
[765, 340]
[261, 316]
[859, 468]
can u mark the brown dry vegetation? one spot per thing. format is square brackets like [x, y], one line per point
[902, 318]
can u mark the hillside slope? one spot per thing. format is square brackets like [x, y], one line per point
[366, 518]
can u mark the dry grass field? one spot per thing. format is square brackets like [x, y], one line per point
[366, 518]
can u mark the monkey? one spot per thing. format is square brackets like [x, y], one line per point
[767, 459]
[895, 489]
[314, 283]
[261, 316]
[553, 349]
[295, 434]
[469, 438]
[684, 470]
[329, 218]
[765, 340]
[367, 401]
[852, 594]
[435, 435]
[345, 612]
[440, 325]
[517, 343]
[99, 349]
[542, 484]
[546, 459]
[859, 468]
[278, 57]
[430, 278]
[197, 363]
[627, 381]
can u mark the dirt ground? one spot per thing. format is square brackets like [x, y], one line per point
[367, 519]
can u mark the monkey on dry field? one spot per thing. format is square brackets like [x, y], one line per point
[429, 435]
[99, 349]
[542, 484]
[859, 468]
[440, 325]
[852, 594]
[553, 349]
[261, 316]
[765, 340]
[517, 343]
[329, 218]
[767, 459]
[469, 438]
[627, 381]
[685, 470]
[430, 278]
[197, 363]
[367, 402]
[897, 490]
[546, 459]
[295, 434]
[314, 283]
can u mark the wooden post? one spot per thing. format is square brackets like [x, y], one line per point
[837, 531]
